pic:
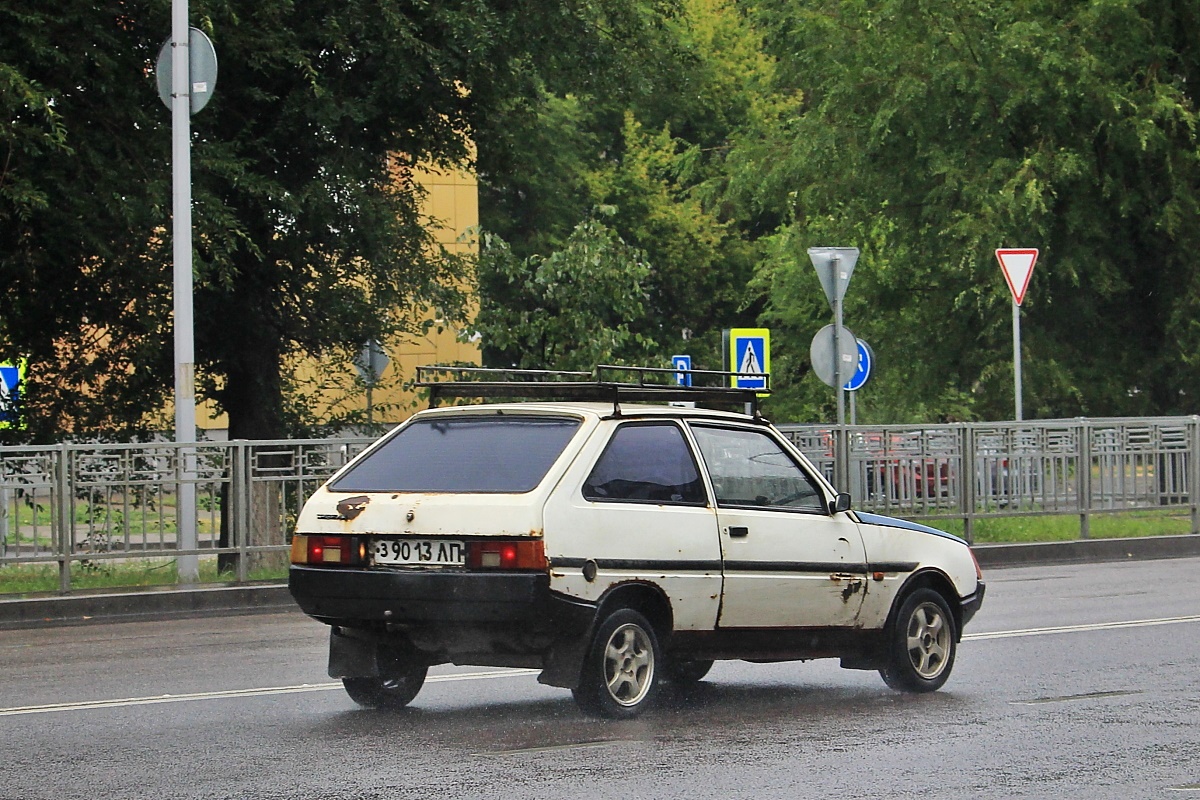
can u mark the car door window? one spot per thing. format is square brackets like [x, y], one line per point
[646, 462]
[749, 469]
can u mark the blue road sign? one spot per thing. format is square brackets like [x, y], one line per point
[11, 376]
[750, 353]
[682, 363]
[866, 360]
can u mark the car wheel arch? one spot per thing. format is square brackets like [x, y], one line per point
[563, 662]
[929, 578]
[646, 598]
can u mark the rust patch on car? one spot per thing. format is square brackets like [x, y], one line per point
[351, 507]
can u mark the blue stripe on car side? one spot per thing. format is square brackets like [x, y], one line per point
[893, 522]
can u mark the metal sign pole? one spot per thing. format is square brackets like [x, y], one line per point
[1017, 356]
[834, 281]
[841, 465]
[185, 366]
[1017, 264]
[838, 383]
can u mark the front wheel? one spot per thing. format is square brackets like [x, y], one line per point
[620, 670]
[921, 644]
[401, 677]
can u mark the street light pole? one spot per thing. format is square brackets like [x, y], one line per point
[185, 358]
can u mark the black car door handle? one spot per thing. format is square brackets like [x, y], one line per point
[738, 531]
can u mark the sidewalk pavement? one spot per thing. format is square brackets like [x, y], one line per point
[81, 608]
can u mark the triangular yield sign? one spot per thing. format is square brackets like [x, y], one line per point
[1017, 265]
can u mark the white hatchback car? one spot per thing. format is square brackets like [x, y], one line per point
[613, 545]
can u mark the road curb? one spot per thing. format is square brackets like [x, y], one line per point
[1083, 551]
[161, 603]
[131, 606]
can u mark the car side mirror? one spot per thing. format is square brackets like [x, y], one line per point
[839, 503]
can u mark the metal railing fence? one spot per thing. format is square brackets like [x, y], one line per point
[969, 471]
[80, 507]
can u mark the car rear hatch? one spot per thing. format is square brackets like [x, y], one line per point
[450, 490]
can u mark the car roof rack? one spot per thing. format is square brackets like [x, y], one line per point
[603, 384]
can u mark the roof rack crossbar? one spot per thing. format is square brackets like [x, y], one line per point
[588, 386]
[642, 372]
[425, 373]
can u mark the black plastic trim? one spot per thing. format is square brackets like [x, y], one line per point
[972, 603]
[639, 565]
[892, 566]
[397, 597]
[819, 567]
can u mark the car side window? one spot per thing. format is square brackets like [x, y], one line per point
[749, 469]
[646, 462]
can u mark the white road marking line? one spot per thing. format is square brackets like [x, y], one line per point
[556, 747]
[1099, 626]
[270, 690]
[512, 673]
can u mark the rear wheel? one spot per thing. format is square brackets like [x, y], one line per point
[922, 644]
[621, 668]
[401, 677]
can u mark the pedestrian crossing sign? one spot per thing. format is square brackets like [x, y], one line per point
[11, 378]
[750, 353]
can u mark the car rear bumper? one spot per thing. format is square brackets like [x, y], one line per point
[972, 602]
[412, 597]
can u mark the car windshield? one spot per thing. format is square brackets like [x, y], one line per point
[485, 454]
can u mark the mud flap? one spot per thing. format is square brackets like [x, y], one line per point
[563, 664]
[352, 656]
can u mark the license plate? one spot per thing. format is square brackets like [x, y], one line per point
[424, 552]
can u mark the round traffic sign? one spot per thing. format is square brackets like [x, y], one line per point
[821, 353]
[202, 77]
[866, 360]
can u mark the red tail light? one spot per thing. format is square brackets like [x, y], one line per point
[328, 550]
[524, 554]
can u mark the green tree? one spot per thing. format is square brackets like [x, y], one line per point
[307, 230]
[655, 152]
[572, 309]
[82, 191]
[932, 133]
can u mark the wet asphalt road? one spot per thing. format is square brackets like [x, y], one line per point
[1077, 681]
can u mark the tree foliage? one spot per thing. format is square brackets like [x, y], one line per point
[930, 134]
[724, 137]
[82, 196]
[654, 152]
[572, 309]
[308, 234]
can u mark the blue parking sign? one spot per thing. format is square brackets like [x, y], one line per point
[684, 363]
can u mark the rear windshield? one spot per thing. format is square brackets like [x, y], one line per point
[493, 454]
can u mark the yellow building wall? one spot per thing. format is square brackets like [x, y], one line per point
[452, 199]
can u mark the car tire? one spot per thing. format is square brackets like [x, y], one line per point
[620, 671]
[921, 644]
[685, 671]
[401, 677]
